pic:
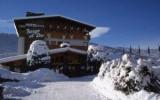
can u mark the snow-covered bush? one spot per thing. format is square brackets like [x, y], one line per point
[96, 53]
[129, 75]
[38, 53]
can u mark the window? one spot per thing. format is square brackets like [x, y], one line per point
[85, 37]
[50, 26]
[63, 37]
[53, 42]
[49, 35]
[71, 36]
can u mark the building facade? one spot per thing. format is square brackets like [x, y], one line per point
[55, 30]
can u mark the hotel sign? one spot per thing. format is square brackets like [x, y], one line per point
[33, 30]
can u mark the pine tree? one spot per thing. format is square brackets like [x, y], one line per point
[159, 50]
[130, 50]
[139, 50]
[149, 50]
[123, 51]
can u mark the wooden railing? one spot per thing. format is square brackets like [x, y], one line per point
[3, 55]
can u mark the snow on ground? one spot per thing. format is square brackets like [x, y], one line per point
[28, 81]
[113, 94]
[6, 74]
[104, 83]
[114, 53]
[45, 84]
[72, 89]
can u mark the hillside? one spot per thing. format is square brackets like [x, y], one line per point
[8, 43]
[112, 53]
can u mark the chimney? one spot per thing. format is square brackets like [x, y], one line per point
[33, 14]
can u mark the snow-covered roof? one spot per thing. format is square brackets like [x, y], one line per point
[13, 58]
[58, 50]
[65, 45]
[49, 16]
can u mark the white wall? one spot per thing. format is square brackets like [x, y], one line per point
[21, 45]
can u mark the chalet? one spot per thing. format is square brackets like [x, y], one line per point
[55, 30]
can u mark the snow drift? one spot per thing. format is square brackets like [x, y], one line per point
[28, 81]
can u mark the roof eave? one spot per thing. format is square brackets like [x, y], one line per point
[49, 16]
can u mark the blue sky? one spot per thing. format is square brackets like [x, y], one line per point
[131, 22]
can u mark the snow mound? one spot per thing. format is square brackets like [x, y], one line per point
[6, 74]
[15, 92]
[28, 81]
[126, 77]
[38, 53]
[44, 75]
[109, 92]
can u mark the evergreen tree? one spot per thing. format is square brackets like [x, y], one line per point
[139, 50]
[159, 48]
[130, 50]
[149, 50]
[123, 51]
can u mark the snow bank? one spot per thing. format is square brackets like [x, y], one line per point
[109, 92]
[6, 74]
[15, 92]
[44, 75]
[28, 81]
[127, 76]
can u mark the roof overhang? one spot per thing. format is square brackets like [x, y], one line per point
[17, 20]
[53, 51]
[61, 50]
[52, 16]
